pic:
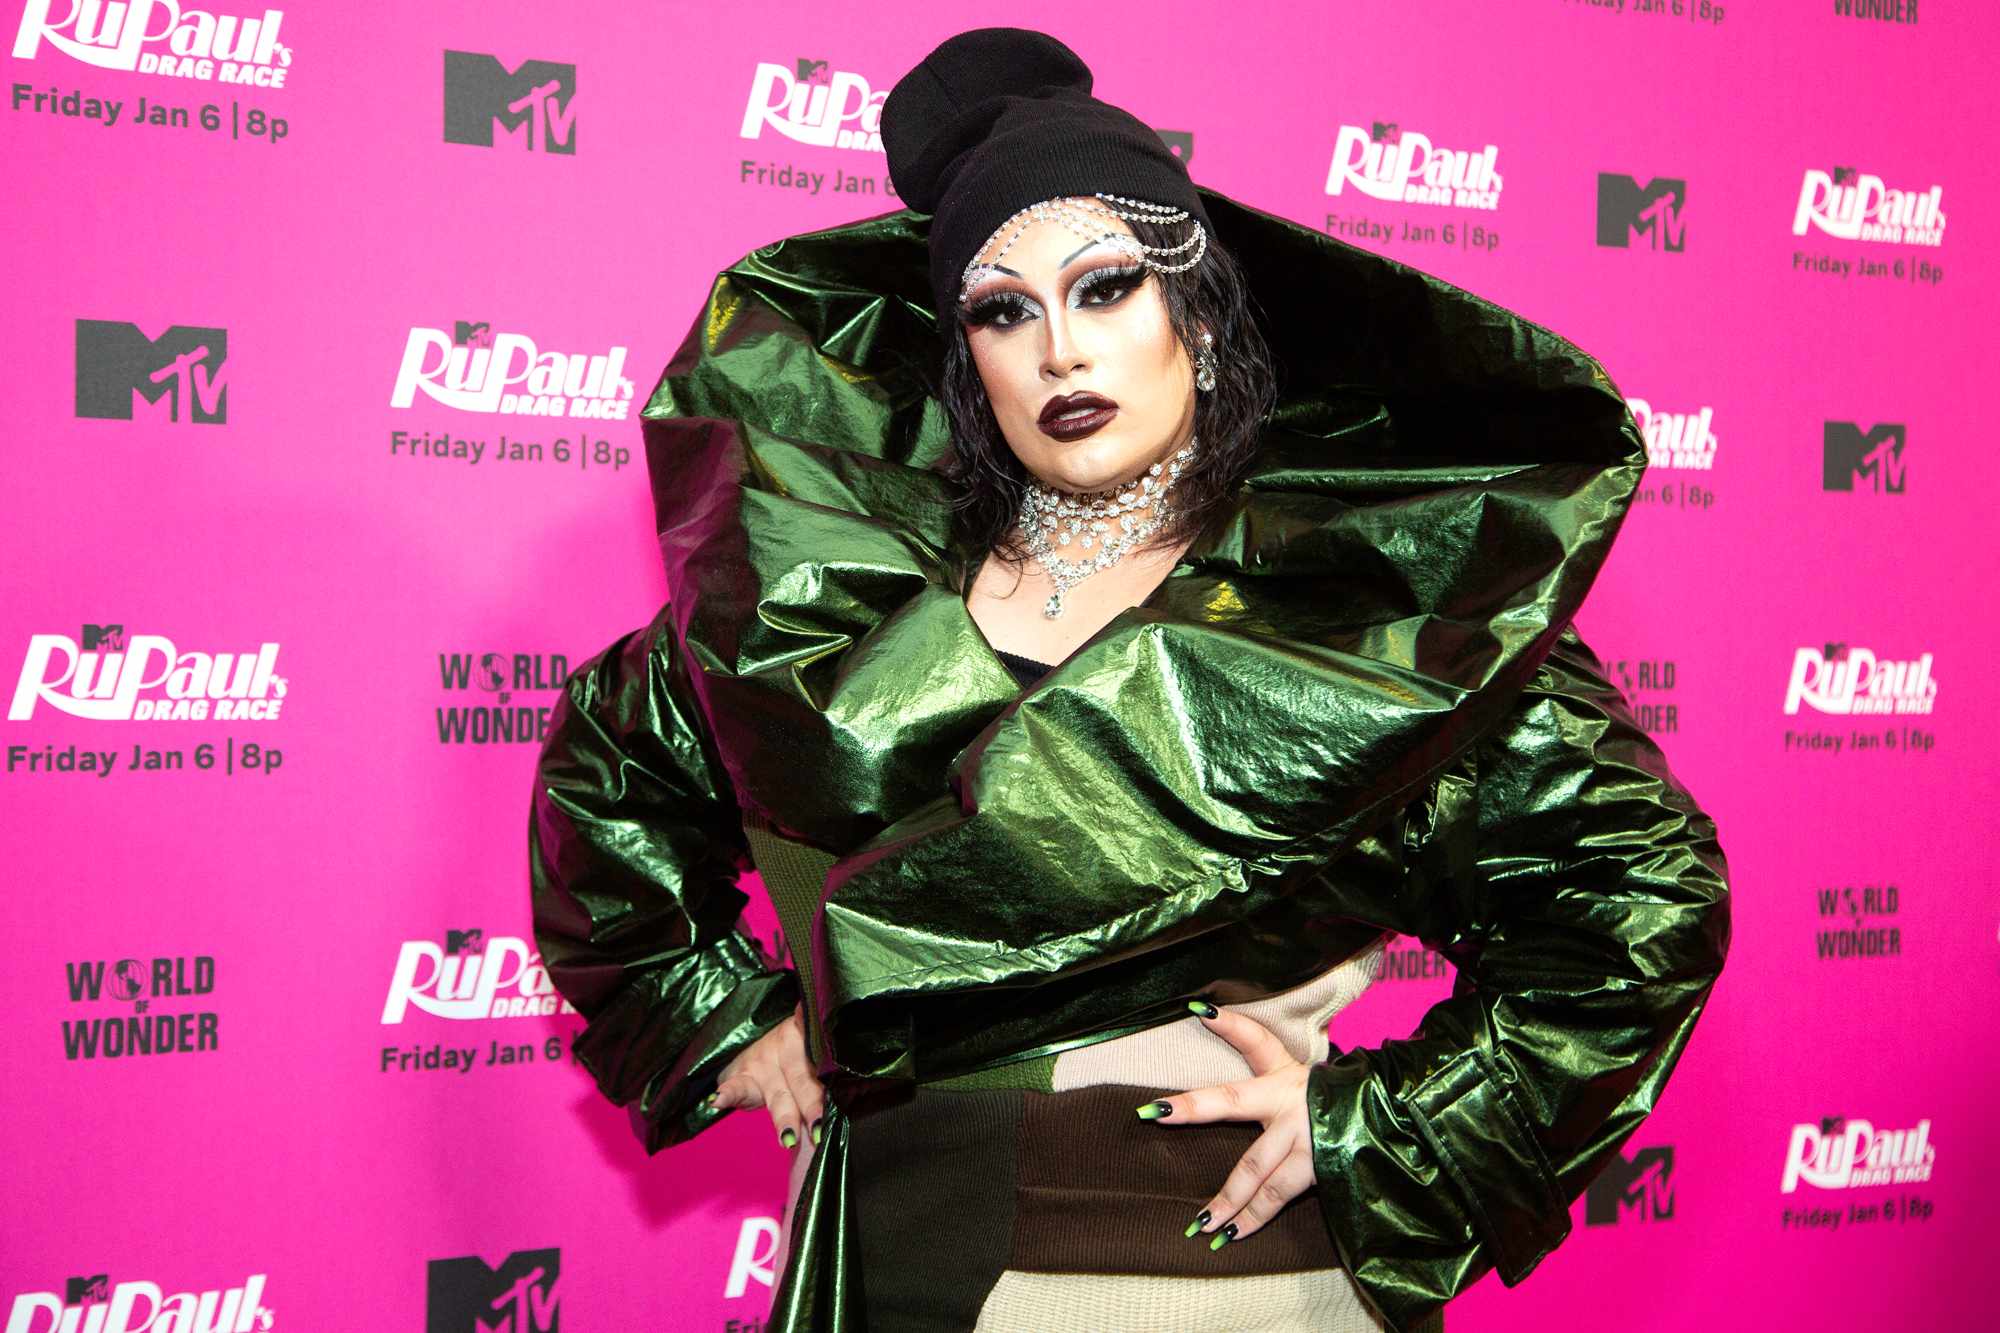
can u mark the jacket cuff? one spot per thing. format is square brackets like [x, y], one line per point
[1423, 1191]
[670, 1110]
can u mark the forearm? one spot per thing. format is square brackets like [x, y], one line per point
[1589, 934]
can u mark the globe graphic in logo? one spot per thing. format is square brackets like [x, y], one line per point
[128, 979]
[491, 674]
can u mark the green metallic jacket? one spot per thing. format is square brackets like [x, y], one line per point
[1357, 703]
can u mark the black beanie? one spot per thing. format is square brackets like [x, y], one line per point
[996, 119]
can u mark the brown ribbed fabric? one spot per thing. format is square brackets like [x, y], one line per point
[1102, 1191]
[934, 1206]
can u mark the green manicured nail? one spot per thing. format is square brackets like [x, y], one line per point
[1204, 1008]
[710, 1099]
[1223, 1237]
[790, 1138]
[815, 1133]
[1200, 1221]
[1155, 1110]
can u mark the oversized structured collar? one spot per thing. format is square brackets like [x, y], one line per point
[1432, 498]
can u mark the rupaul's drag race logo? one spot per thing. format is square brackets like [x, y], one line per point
[182, 375]
[809, 102]
[1842, 1154]
[531, 107]
[158, 37]
[483, 690]
[1839, 679]
[92, 1304]
[1384, 161]
[755, 1260]
[1676, 439]
[471, 368]
[144, 986]
[109, 678]
[520, 1296]
[1858, 207]
[471, 976]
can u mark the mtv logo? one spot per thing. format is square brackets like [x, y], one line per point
[87, 1290]
[1870, 461]
[1385, 131]
[813, 71]
[520, 1296]
[1641, 1189]
[532, 105]
[1179, 142]
[471, 333]
[180, 374]
[1653, 214]
[103, 638]
[1846, 175]
[464, 941]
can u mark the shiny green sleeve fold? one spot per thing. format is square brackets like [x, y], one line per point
[1582, 895]
[635, 844]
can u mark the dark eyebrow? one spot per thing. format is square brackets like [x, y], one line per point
[1079, 250]
[1002, 268]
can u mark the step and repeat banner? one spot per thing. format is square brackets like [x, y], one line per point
[327, 331]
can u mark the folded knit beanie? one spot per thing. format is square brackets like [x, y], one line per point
[996, 119]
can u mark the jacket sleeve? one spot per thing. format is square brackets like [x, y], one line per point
[635, 843]
[1588, 916]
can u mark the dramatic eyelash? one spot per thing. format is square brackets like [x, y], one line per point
[987, 309]
[1120, 279]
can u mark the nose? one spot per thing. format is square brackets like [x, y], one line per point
[1062, 355]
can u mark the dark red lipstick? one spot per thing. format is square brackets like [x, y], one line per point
[1062, 418]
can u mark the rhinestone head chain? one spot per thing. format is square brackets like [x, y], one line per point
[1076, 216]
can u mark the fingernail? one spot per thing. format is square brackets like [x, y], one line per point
[710, 1099]
[1204, 1008]
[815, 1133]
[1200, 1221]
[790, 1137]
[1156, 1111]
[1223, 1237]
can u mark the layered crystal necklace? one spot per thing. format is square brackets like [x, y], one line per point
[1052, 518]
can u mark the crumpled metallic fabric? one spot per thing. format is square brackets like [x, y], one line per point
[1356, 703]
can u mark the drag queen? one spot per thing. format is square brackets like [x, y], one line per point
[1104, 615]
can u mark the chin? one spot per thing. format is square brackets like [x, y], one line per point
[1091, 464]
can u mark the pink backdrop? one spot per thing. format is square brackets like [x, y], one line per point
[317, 1160]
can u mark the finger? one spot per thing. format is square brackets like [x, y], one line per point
[784, 1109]
[795, 1067]
[806, 1094]
[1259, 1046]
[1266, 1178]
[1245, 1099]
[736, 1092]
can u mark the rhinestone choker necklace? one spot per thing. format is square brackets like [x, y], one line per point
[1051, 518]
